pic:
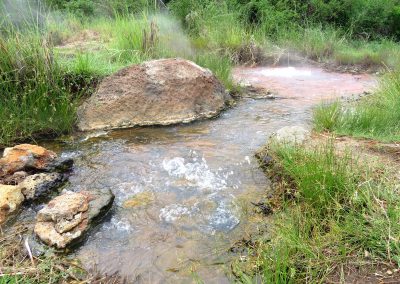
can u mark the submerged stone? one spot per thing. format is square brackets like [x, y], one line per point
[158, 92]
[141, 199]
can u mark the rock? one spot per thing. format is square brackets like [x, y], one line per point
[140, 199]
[38, 185]
[266, 160]
[59, 165]
[36, 246]
[10, 200]
[23, 157]
[67, 217]
[292, 135]
[48, 234]
[99, 200]
[257, 93]
[15, 178]
[159, 92]
[64, 207]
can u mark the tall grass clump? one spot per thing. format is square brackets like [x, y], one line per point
[322, 179]
[315, 42]
[374, 117]
[369, 53]
[33, 99]
[212, 25]
[133, 39]
[333, 213]
[221, 66]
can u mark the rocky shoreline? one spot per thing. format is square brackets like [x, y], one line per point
[30, 173]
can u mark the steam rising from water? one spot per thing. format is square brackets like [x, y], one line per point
[33, 14]
[172, 36]
[287, 72]
[23, 12]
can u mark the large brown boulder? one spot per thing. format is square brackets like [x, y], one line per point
[158, 92]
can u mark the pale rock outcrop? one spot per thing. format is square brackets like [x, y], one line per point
[292, 135]
[28, 172]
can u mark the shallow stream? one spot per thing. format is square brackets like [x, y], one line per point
[182, 191]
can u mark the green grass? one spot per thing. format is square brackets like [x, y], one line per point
[33, 98]
[37, 99]
[384, 53]
[316, 42]
[328, 44]
[340, 211]
[375, 117]
[133, 39]
[214, 34]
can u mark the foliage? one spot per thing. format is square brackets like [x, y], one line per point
[84, 8]
[361, 18]
[374, 117]
[335, 217]
[34, 98]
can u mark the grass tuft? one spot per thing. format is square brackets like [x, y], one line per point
[340, 212]
[375, 117]
[34, 100]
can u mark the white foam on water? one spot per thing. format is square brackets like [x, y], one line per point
[171, 213]
[126, 190]
[121, 225]
[287, 72]
[71, 155]
[223, 219]
[197, 173]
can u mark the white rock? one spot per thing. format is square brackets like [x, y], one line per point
[292, 135]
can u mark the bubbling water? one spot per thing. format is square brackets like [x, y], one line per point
[181, 191]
